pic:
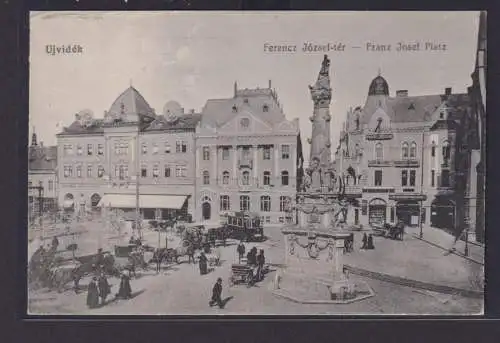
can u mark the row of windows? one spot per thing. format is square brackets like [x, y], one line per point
[245, 178]
[68, 149]
[122, 171]
[408, 178]
[50, 184]
[265, 203]
[122, 148]
[410, 150]
[245, 153]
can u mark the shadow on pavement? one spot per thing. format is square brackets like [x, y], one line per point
[225, 301]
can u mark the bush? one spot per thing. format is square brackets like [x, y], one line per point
[153, 224]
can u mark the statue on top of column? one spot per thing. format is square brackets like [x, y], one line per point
[321, 89]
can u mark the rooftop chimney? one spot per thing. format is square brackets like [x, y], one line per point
[402, 93]
[447, 91]
[269, 84]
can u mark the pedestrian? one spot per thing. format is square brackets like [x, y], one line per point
[241, 251]
[125, 291]
[104, 288]
[217, 294]
[93, 294]
[370, 242]
[203, 263]
[55, 243]
[261, 260]
[365, 241]
[158, 259]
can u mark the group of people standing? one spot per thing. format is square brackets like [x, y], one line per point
[253, 259]
[99, 288]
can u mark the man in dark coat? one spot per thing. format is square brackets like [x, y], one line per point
[261, 260]
[125, 291]
[217, 294]
[370, 242]
[365, 241]
[93, 294]
[241, 251]
[104, 288]
[203, 263]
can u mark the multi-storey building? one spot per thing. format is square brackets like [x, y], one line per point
[475, 140]
[398, 156]
[247, 157]
[101, 160]
[42, 177]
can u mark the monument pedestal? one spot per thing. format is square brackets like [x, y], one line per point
[313, 271]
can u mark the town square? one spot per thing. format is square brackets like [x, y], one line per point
[279, 199]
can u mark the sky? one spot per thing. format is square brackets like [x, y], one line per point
[190, 57]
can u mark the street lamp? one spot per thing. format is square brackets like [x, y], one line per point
[466, 252]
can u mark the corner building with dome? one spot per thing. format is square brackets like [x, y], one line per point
[401, 157]
[99, 159]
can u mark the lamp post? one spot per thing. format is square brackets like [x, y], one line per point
[466, 251]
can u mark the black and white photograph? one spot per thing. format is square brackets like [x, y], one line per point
[256, 163]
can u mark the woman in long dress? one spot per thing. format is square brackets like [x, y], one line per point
[125, 291]
[93, 294]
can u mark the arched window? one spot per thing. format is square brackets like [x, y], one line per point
[265, 203]
[379, 151]
[404, 150]
[206, 177]
[413, 150]
[284, 178]
[244, 203]
[267, 178]
[246, 178]
[225, 178]
[225, 204]
[446, 150]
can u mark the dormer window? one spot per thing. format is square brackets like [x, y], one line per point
[265, 108]
[379, 125]
[245, 123]
[235, 109]
[441, 115]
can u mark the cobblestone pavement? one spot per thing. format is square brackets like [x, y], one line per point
[180, 289]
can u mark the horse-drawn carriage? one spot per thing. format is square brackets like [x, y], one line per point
[243, 226]
[245, 273]
[387, 230]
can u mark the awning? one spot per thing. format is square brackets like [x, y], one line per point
[68, 203]
[145, 201]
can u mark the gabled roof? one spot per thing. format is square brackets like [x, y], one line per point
[42, 158]
[217, 112]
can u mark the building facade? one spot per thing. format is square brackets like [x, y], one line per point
[475, 141]
[101, 160]
[399, 156]
[247, 157]
[42, 178]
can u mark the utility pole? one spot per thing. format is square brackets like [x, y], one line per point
[421, 234]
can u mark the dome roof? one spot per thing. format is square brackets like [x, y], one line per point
[173, 107]
[379, 86]
[129, 106]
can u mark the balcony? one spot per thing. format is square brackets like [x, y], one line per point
[245, 163]
[379, 163]
[407, 163]
[379, 136]
[378, 189]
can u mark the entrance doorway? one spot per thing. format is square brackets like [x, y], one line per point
[206, 211]
[377, 209]
[356, 216]
[443, 214]
[408, 211]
